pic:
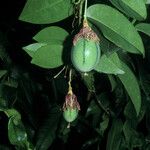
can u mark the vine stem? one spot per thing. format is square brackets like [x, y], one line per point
[69, 82]
[85, 10]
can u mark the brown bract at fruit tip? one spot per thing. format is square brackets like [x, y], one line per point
[86, 33]
[71, 102]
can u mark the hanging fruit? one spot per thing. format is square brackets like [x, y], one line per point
[71, 106]
[85, 52]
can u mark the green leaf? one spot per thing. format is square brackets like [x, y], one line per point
[51, 34]
[114, 136]
[3, 104]
[132, 87]
[47, 131]
[45, 11]
[13, 113]
[116, 27]
[94, 112]
[143, 27]
[16, 132]
[88, 80]
[32, 48]
[130, 112]
[104, 124]
[147, 1]
[49, 56]
[109, 64]
[135, 8]
[2, 73]
[112, 82]
[133, 138]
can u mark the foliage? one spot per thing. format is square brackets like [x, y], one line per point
[114, 97]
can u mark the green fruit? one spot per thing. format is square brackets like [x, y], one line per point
[70, 114]
[85, 54]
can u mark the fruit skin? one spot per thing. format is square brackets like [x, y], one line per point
[70, 114]
[85, 54]
[71, 107]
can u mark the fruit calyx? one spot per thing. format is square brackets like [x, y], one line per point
[87, 33]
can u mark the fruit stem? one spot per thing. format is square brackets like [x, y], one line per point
[69, 83]
[85, 10]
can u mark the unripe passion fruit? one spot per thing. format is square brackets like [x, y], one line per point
[85, 54]
[70, 114]
[71, 107]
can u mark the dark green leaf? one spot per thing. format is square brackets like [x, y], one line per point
[47, 131]
[133, 138]
[45, 11]
[135, 8]
[104, 124]
[114, 135]
[109, 64]
[49, 56]
[2, 73]
[88, 79]
[132, 87]
[16, 132]
[53, 34]
[116, 27]
[112, 82]
[143, 27]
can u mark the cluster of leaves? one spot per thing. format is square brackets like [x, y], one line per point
[115, 95]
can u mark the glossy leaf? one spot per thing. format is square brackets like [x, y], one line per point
[135, 8]
[143, 27]
[45, 11]
[51, 34]
[116, 27]
[32, 48]
[109, 64]
[132, 87]
[114, 136]
[49, 56]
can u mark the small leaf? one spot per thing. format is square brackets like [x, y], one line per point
[49, 56]
[32, 48]
[116, 27]
[143, 27]
[135, 8]
[45, 11]
[114, 136]
[132, 87]
[53, 34]
[109, 64]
